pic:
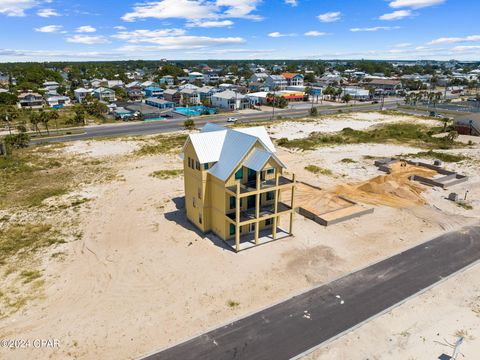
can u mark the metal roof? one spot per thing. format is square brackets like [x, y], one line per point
[257, 159]
[208, 145]
[228, 147]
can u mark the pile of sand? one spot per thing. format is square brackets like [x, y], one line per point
[394, 189]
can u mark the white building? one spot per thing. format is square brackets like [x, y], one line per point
[81, 94]
[230, 100]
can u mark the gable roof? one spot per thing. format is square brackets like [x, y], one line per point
[290, 75]
[228, 147]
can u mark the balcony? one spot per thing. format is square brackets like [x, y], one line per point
[265, 211]
[251, 186]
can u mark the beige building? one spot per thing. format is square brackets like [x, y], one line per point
[233, 184]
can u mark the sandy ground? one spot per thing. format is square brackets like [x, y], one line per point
[357, 121]
[141, 278]
[424, 327]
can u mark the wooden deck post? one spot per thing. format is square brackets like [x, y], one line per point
[292, 205]
[237, 218]
[257, 209]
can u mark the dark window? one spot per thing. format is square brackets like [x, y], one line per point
[270, 195]
[232, 229]
[232, 202]
[239, 174]
[197, 165]
[270, 171]
[189, 162]
[199, 218]
[205, 166]
[268, 222]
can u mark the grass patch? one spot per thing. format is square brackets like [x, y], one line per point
[451, 158]
[233, 304]
[464, 205]
[318, 170]
[404, 133]
[166, 174]
[25, 239]
[161, 145]
[348, 161]
[29, 276]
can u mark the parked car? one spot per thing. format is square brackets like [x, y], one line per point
[232, 119]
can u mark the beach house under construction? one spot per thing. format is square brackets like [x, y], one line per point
[233, 182]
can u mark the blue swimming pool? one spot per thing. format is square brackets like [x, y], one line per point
[156, 119]
[195, 110]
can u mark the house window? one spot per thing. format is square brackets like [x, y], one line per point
[197, 165]
[232, 202]
[268, 222]
[239, 175]
[270, 195]
[199, 193]
[194, 203]
[232, 229]
[270, 171]
[189, 162]
[205, 166]
[199, 218]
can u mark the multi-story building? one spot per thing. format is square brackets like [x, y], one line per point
[172, 95]
[276, 82]
[230, 100]
[104, 94]
[81, 94]
[233, 183]
[293, 79]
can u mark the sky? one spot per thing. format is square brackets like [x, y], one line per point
[77, 30]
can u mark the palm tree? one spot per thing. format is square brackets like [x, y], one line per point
[34, 120]
[44, 118]
[53, 115]
[9, 113]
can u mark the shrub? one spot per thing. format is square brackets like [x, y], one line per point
[313, 111]
[20, 140]
[189, 124]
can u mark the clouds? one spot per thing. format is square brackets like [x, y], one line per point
[46, 13]
[373, 29]
[210, 23]
[85, 29]
[314, 33]
[88, 39]
[330, 16]
[396, 15]
[16, 7]
[170, 39]
[291, 2]
[277, 34]
[415, 4]
[49, 29]
[194, 10]
[452, 40]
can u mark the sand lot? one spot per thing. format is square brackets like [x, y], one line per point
[141, 278]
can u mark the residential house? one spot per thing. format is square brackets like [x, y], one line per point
[153, 91]
[356, 93]
[385, 86]
[30, 99]
[190, 97]
[276, 82]
[234, 183]
[168, 80]
[293, 79]
[160, 103]
[81, 94]
[51, 85]
[135, 94]
[57, 101]
[172, 95]
[115, 83]
[258, 77]
[206, 93]
[211, 78]
[194, 77]
[230, 100]
[104, 94]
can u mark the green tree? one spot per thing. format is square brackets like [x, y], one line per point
[8, 114]
[189, 124]
[35, 120]
[8, 99]
[346, 98]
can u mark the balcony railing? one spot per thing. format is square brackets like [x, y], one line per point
[265, 211]
[251, 186]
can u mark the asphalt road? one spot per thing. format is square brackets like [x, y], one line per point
[169, 125]
[292, 327]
